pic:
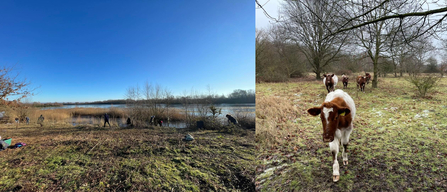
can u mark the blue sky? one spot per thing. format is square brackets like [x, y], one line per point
[95, 50]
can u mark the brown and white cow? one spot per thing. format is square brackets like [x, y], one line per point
[368, 77]
[345, 81]
[361, 81]
[330, 81]
[337, 115]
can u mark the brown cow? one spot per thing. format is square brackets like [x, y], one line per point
[361, 81]
[368, 77]
[337, 115]
[330, 81]
[345, 81]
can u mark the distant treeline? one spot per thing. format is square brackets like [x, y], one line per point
[237, 96]
[38, 104]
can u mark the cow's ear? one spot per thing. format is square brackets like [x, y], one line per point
[324, 75]
[314, 111]
[344, 111]
[332, 75]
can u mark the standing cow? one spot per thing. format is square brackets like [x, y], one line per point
[345, 81]
[368, 77]
[330, 81]
[361, 81]
[337, 115]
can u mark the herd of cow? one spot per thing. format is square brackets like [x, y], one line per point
[331, 80]
[337, 116]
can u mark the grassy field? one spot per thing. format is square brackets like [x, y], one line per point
[398, 142]
[87, 158]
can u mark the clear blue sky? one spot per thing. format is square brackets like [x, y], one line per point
[95, 50]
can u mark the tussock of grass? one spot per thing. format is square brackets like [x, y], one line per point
[102, 159]
[397, 143]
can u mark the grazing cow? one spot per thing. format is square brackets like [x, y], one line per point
[345, 81]
[361, 81]
[330, 81]
[368, 77]
[337, 115]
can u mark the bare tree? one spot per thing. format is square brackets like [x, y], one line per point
[145, 102]
[11, 86]
[267, 60]
[289, 58]
[443, 68]
[432, 65]
[420, 51]
[426, 16]
[309, 23]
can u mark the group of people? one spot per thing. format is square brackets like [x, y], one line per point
[27, 120]
[152, 120]
[129, 121]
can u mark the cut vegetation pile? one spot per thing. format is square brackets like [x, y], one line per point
[85, 158]
[398, 142]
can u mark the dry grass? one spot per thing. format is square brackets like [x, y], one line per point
[65, 116]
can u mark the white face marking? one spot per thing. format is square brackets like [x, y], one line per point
[326, 113]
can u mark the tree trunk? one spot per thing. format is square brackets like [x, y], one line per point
[374, 82]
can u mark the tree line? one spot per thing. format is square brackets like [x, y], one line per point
[237, 96]
[319, 36]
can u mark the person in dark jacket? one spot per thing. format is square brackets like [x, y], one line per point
[160, 122]
[231, 119]
[106, 120]
[151, 121]
[129, 122]
[40, 120]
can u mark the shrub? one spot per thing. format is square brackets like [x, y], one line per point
[424, 84]
[345, 71]
[271, 77]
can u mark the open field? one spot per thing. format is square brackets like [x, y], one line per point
[398, 142]
[87, 158]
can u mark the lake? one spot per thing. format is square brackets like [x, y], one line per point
[226, 108]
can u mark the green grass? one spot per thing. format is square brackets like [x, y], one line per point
[398, 142]
[102, 159]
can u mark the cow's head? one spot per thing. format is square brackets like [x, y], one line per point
[328, 79]
[330, 114]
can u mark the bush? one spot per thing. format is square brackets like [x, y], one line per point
[424, 84]
[345, 71]
[271, 77]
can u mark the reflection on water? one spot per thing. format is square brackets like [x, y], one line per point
[226, 108]
[121, 122]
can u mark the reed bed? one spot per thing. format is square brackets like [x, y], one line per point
[67, 115]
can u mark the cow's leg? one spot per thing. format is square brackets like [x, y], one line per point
[345, 140]
[334, 149]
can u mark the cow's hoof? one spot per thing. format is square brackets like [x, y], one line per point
[345, 162]
[335, 178]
